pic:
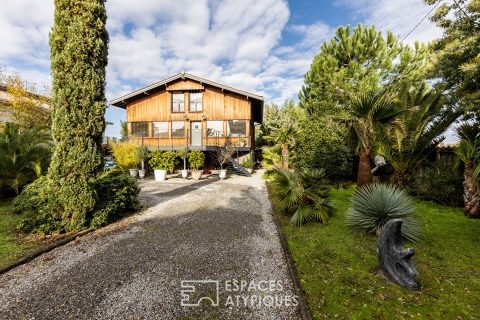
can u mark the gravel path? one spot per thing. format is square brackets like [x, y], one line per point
[191, 230]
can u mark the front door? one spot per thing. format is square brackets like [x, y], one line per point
[196, 133]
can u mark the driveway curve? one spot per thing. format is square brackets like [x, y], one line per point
[209, 242]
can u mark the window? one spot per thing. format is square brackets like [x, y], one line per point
[195, 99]
[178, 101]
[237, 128]
[139, 129]
[160, 129]
[214, 128]
[178, 129]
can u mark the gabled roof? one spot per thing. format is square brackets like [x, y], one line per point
[121, 101]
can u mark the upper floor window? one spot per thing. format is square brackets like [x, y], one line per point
[236, 128]
[178, 102]
[195, 100]
[160, 129]
[139, 129]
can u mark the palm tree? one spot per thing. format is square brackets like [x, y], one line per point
[24, 155]
[371, 112]
[417, 132]
[302, 194]
[285, 137]
[469, 152]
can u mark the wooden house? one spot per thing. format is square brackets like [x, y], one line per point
[188, 111]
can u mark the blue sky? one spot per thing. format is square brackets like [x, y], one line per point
[263, 46]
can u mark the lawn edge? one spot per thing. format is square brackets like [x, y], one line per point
[42, 250]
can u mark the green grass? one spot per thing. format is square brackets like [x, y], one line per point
[337, 267]
[11, 247]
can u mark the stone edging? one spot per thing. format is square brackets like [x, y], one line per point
[292, 270]
[43, 250]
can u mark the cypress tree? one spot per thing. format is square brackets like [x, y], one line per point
[78, 49]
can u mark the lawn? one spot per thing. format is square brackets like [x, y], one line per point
[11, 247]
[337, 267]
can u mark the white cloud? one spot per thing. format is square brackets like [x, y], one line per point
[400, 17]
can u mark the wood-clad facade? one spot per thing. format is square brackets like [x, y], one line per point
[185, 110]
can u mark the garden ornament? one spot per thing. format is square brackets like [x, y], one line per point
[379, 162]
[395, 260]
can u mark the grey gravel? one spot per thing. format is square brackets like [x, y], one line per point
[190, 230]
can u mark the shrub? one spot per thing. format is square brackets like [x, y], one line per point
[247, 162]
[323, 144]
[163, 160]
[196, 159]
[117, 194]
[302, 194]
[126, 154]
[440, 183]
[41, 211]
[373, 205]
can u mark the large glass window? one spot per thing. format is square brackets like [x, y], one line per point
[160, 129]
[178, 102]
[214, 128]
[236, 128]
[139, 129]
[178, 129]
[195, 100]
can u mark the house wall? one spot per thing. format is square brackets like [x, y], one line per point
[216, 105]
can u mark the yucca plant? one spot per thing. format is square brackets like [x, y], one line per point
[373, 205]
[302, 194]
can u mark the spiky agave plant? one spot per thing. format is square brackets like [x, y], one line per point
[373, 205]
[303, 194]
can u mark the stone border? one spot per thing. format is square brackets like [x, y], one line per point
[292, 270]
[45, 249]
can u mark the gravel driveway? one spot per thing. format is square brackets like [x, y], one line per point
[220, 231]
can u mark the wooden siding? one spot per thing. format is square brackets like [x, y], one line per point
[184, 85]
[217, 105]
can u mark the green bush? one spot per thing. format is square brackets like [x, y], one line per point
[440, 183]
[373, 205]
[322, 143]
[127, 154]
[301, 194]
[196, 159]
[117, 194]
[247, 162]
[163, 160]
[42, 212]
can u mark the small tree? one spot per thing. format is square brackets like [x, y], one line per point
[224, 154]
[183, 154]
[163, 160]
[123, 131]
[126, 154]
[196, 159]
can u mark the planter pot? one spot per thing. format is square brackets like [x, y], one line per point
[249, 170]
[196, 174]
[222, 174]
[160, 175]
[141, 173]
[184, 174]
[133, 172]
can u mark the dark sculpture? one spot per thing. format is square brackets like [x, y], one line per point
[395, 261]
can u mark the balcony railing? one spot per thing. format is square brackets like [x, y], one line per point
[208, 141]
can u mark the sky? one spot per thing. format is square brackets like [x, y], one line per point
[261, 46]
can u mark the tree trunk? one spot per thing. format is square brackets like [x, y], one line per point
[471, 195]
[284, 156]
[364, 169]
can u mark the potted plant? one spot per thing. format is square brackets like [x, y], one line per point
[223, 155]
[183, 154]
[196, 161]
[248, 164]
[162, 162]
[142, 154]
[126, 156]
